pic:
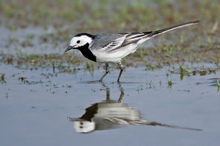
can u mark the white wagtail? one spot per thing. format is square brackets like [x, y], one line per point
[107, 48]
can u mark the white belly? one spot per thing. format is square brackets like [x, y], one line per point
[115, 55]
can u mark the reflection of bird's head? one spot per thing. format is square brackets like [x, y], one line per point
[83, 126]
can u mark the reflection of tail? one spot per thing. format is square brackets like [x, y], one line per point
[153, 123]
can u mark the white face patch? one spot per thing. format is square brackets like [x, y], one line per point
[79, 41]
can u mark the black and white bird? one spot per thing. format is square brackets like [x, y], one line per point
[106, 48]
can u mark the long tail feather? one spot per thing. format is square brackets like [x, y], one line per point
[164, 30]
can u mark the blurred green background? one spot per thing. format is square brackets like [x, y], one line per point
[105, 15]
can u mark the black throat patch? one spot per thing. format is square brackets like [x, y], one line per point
[87, 53]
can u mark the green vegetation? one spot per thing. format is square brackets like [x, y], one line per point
[184, 71]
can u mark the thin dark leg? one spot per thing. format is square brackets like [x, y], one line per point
[121, 67]
[106, 72]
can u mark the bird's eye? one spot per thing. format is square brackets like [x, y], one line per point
[78, 41]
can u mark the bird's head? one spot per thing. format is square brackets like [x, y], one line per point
[80, 40]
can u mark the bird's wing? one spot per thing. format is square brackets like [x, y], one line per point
[134, 37]
[107, 42]
[112, 42]
[129, 38]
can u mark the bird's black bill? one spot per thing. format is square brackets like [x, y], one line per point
[68, 48]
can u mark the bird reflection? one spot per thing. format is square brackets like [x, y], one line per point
[110, 114]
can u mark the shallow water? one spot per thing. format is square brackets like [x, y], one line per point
[35, 109]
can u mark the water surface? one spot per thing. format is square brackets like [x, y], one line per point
[34, 111]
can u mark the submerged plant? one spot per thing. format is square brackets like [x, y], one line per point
[2, 78]
[170, 83]
[23, 79]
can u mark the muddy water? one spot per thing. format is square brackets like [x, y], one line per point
[35, 106]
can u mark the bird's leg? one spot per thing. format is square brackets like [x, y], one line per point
[106, 72]
[121, 67]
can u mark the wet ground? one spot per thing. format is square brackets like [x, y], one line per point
[35, 109]
[168, 94]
